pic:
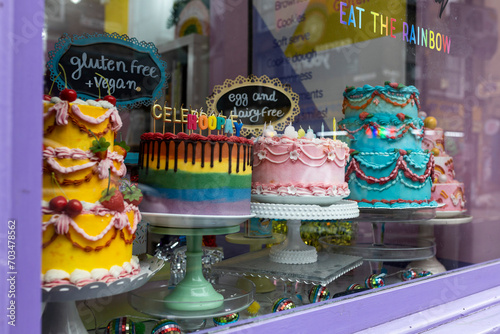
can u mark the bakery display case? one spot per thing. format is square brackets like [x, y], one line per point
[295, 164]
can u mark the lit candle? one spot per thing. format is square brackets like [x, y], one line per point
[334, 129]
[301, 133]
[269, 131]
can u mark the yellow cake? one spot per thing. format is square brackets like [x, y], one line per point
[92, 241]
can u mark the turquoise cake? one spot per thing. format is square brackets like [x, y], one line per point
[388, 168]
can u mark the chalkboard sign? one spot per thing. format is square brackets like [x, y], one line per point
[255, 101]
[101, 64]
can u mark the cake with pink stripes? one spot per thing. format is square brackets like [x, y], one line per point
[299, 170]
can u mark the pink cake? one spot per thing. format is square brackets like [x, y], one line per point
[445, 189]
[299, 170]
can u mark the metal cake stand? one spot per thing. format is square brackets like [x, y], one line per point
[61, 314]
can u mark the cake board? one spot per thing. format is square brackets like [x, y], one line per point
[293, 250]
[61, 314]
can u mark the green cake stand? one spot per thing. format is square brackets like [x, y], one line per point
[194, 295]
[194, 292]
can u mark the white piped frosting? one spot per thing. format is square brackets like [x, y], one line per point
[78, 275]
[82, 277]
[55, 275]
[115, 271]
[98, 273]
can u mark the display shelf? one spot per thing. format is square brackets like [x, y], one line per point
[293, 250]
[61, 315]
[383, 215]
[457, 220]
[153, 299]
[402, 249]
[254, 243]
[258, 264]
[192, 221]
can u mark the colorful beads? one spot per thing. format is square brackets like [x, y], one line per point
[166, 326]
[121, 325]
[374, 281]
[409, 275]
[283, 304]
[319, 293]
[354, 286]
[424, 273]
[226, 319]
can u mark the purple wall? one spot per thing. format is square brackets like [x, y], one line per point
[21, 71]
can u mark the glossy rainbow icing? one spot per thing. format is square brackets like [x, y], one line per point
[203, 175]
[97, 238]
[286, 166]
[388, 168]
[445, 189]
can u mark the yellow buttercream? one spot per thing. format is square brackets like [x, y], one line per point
[73, 251]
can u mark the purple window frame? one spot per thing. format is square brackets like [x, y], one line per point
[455, 297]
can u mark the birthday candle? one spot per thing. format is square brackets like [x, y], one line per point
[322, 129]
[334, 129]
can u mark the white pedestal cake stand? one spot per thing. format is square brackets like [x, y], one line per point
[194, 297]
[293, 250]
[60, 315]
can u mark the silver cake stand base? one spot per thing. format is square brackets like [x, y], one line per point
[61, 316]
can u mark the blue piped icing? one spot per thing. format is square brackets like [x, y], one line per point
[412, 205]
[401, 94]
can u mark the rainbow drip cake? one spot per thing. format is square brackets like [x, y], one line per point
[388, 168]
[445, 189]
[195, 174]
[85, 238]
[308, 169]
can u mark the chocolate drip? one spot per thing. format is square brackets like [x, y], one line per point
[186, 145]
[250, 158]
[212, 144]
[203, 154]
[244, 157]
[159, 151]
[194, 152]
[153, 151]
[167, 142]
[147, 158]
[141, 155]
[238, 157]
[230, 157]
[147, 148]
[176, 152]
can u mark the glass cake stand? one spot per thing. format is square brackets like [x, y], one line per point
[61, 316]
[194, 295]
[421, 251]
[293, 250]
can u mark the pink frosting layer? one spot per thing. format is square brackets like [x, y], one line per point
[451, 194]
[299, 167]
